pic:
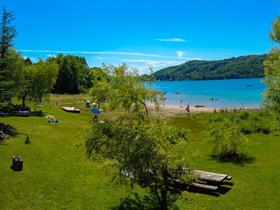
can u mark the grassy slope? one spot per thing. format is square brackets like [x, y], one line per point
[256, 183]
[57, 174]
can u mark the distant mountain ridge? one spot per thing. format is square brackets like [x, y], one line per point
[250, 66]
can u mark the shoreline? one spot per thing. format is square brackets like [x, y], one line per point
[178, 109]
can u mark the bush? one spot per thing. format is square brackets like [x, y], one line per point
[264, 130]
[255, 122]
[7, 129]
[244, 116]
[37, 113]
[9, 108]
[226, 136]
[246, 129]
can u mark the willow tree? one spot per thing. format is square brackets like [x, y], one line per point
[226, 137]
[36, 80]
[145, 150]
[272, 75]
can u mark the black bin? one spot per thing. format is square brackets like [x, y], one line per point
[17, 163]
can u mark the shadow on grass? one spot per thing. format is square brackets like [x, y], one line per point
[136, 202]
[222, 189]
[238, 159]
[228, 183]
[205, 192]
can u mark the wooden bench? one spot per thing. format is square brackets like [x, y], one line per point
[204, 186]
[21, 113]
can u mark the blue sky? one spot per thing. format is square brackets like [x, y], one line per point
[143, 33]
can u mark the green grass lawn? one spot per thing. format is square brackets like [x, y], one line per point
[57, 174]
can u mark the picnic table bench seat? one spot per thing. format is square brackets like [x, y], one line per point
[21, 113]
[204, 186]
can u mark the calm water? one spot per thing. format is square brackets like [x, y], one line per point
[226, 93]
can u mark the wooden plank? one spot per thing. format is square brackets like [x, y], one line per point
[204, 186]
[209, 176]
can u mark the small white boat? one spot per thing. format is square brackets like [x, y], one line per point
[70, 109]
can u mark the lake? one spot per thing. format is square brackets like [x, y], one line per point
[233, 93]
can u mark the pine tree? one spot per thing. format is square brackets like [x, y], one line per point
[7, 34]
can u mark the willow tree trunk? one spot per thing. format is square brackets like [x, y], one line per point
[23, 100]
[164, 202]
[164, 191]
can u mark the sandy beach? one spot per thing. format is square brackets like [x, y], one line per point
[173, 109]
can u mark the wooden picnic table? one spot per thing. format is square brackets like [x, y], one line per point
[211, 177]
[207, 180]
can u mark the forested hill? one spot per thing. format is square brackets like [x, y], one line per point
[241, 67]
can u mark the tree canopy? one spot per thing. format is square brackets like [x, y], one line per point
[272, 76]
[73, 76]
[9, 62]
[36, 80]
[233, 68]
[142, 147]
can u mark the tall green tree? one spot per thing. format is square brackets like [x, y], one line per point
[45, 75]
[36, 80]
[146, 150]
[272, 76]
[7, 33]
[74, 74]
[8, 59]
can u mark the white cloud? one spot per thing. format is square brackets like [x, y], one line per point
[171, 40]
[143, 65]
[139, 60]
[51, 55]
[180, 54]
[92, 52]
[119, 53]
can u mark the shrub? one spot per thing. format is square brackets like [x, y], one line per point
[246, 129]
[7, 129]
[37, 113]
[255, 122]
[244, 116]
[9, 108]
[226, 136]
